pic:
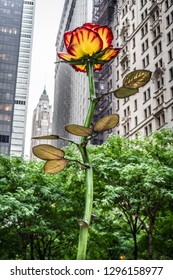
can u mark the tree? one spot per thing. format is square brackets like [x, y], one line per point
[137, 175]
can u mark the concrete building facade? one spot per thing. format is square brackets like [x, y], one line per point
[71, 88]
[103, 14]
[144, 31]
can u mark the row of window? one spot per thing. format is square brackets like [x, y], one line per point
[6, 107]
[7, 86]
[160, 121]
[5, 117]
[144, 14]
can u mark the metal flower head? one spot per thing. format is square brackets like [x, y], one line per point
[89, 43]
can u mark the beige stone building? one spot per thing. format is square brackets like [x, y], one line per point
[41, 122]
[144, 31]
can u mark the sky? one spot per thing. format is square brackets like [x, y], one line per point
[47, 19]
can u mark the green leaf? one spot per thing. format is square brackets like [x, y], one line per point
[78, 130]
[123, 92]
[55, 166]
[106, 123]
[136, 79]
[47, 152]
[46, 137]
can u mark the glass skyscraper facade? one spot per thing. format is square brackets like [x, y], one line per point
[16, 34]
[23, 78]
[10, 30]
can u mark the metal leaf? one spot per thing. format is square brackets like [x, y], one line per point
[47, 152]
[106, 123]
[46, 137]
[137, 79]
[123, 92]
[55, 166]
[78, 130]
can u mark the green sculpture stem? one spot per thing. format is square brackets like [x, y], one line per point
[85, 223]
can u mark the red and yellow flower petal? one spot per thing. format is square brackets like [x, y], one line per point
[80, 68]
[97, 67]
[67, 38]
[84, 42]
[110, 54]
[106, 35]
[91, 25]
[66, 56]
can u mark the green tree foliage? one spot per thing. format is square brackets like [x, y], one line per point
[38, 212]
[133, 197]
[137, 175]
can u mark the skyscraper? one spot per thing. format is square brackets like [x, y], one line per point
[16, 26]
[23, 79]
[144, 32]
[10, 28]
[71, 88]
[103, 14]
[42, 121]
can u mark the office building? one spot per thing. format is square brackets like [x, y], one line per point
[71, 88]
[103, 14]
[10, 29]
[144, 31]
[16, 32]
[23, 80]
[42, 121]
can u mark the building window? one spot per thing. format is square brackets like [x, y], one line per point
[144, 15]
[159, 82]
[133, 14]
[168, 4]
[159, 63]
[125, 65]
[118, 105]
[143, 2]
[170, 37]
[160, 120]
[126, 99]
[158, 49]
[171, 73]
[117, 76]
[145, 45]
[160, 100]
[4, 138]
[126, 128]
[144, 30]
[146, 61]
[147, 95]
[133, 43]
[170, 55]
[156, 32]
[147, 112]
[135, 105]
[171, 91]
[148, 129]
[172, 113]
[127, 111]
[134, 57]
[169, 19]
[136, 121]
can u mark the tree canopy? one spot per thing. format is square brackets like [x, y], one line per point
[133, 195]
